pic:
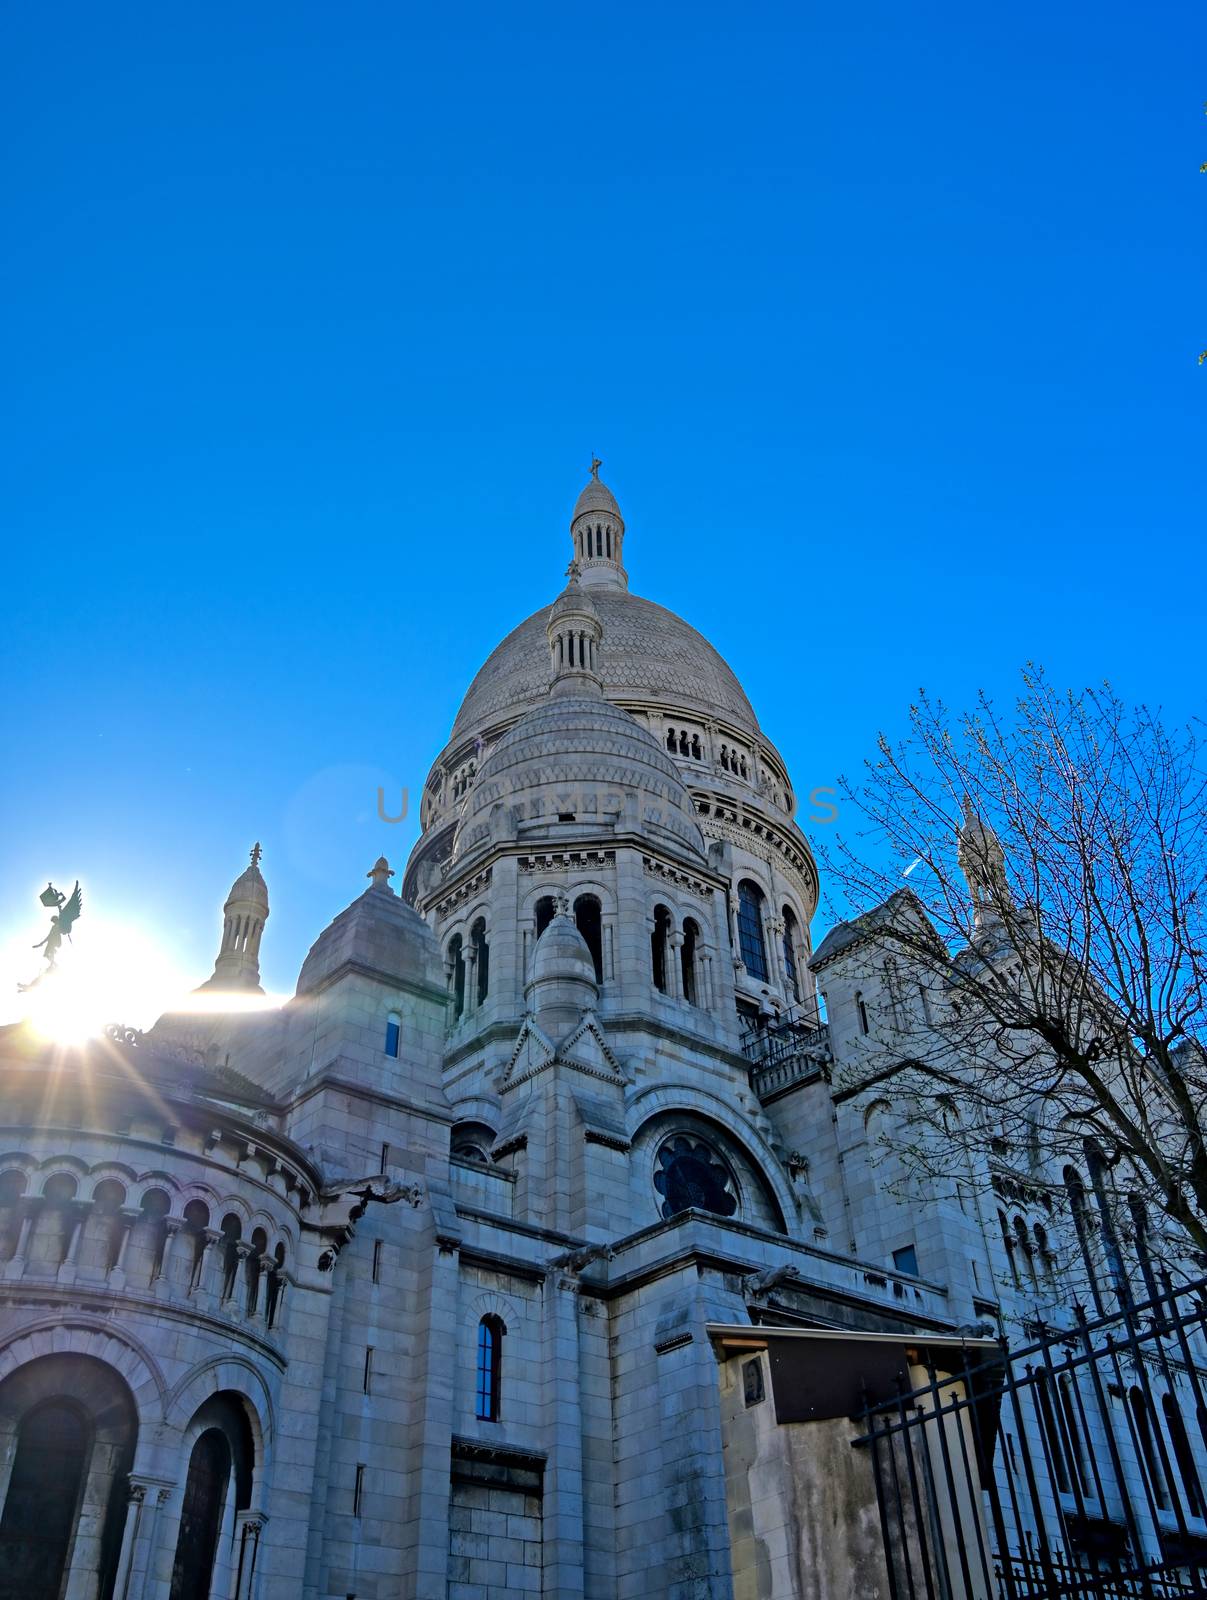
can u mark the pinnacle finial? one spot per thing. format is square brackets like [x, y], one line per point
[256, 853]
[380, 873]
[596, 463]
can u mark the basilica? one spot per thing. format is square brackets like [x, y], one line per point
[519, 1251]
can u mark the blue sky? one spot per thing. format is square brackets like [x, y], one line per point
[884, 320]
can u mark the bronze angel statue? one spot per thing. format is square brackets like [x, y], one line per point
[68, 908]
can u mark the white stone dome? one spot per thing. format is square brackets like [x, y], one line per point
[579, 756]
[650, 655]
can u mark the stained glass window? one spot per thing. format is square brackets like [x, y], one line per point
[751, 943]
[688, 1173]
[489, 1370]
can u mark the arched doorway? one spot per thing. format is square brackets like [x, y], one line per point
[70, 1425]
[217, 1486]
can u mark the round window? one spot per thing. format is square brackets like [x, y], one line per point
[689, 1172]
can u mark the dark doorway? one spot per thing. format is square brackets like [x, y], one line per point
[201, 1516]
[53, 1447]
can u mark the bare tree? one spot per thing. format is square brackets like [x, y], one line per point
[1052, 919]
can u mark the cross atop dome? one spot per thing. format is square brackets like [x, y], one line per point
[597, 529]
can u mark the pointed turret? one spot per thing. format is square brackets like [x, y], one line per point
[243, 919]
[983, 862]
[597, 529]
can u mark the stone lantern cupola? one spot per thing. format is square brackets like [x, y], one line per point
[597, 529]
[575, 634]
[243, 919]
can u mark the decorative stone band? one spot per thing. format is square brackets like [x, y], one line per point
[464, 891]
[568, 861]
[681, 880]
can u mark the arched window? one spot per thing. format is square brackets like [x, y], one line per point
[1096, 1164]
[1143, 1252]
[1043, 1251]
[254, 1268]
[1023, 1241]
[751, 944]
[12, 1188]
[456, 975]
[487, 1392]
[1075, 1190]
[1051, 1431]
[153, 1228]
[232, 1232]
[481, 949]
[1183, 1455]
[196, 1221]
[393, 1033]
[1008, 1245]
[697, 752]
[691, 940]
[658, 947]
[725, 757]
[1070, 1408]
[670, 740]
[276, 1283]
[790, 943]
[861, 1010]
[546, 906]
[588, 919]
[1148, 1449]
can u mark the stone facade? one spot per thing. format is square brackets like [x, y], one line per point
[403, 1290]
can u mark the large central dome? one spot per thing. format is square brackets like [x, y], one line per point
[651, 655]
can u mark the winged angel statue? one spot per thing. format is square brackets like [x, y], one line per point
[67, 909]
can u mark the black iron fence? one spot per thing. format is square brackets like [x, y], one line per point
[1073, 1468]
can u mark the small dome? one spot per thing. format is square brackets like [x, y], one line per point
[377, 933]
[576, 758]
[574, 601]
[562, 985]
[562, 954]
[249, 887]
[597, 497]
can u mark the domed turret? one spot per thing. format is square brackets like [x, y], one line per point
[562, 985]
[243, 919]
[597, 529]
[575, 634]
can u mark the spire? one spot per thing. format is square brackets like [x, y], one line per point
[575, 634]
[983, 862]
[597, 529]
[243, 919]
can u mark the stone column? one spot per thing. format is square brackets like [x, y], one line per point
[248, 1527]
[259, 1305]
[562, 1512]
[16, 1266]
[236, 1301]
[163, 1281]
[79, 1218]
[470, 957]
[126, 1218]
[674, 964]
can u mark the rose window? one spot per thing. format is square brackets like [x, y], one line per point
[687, 1173]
